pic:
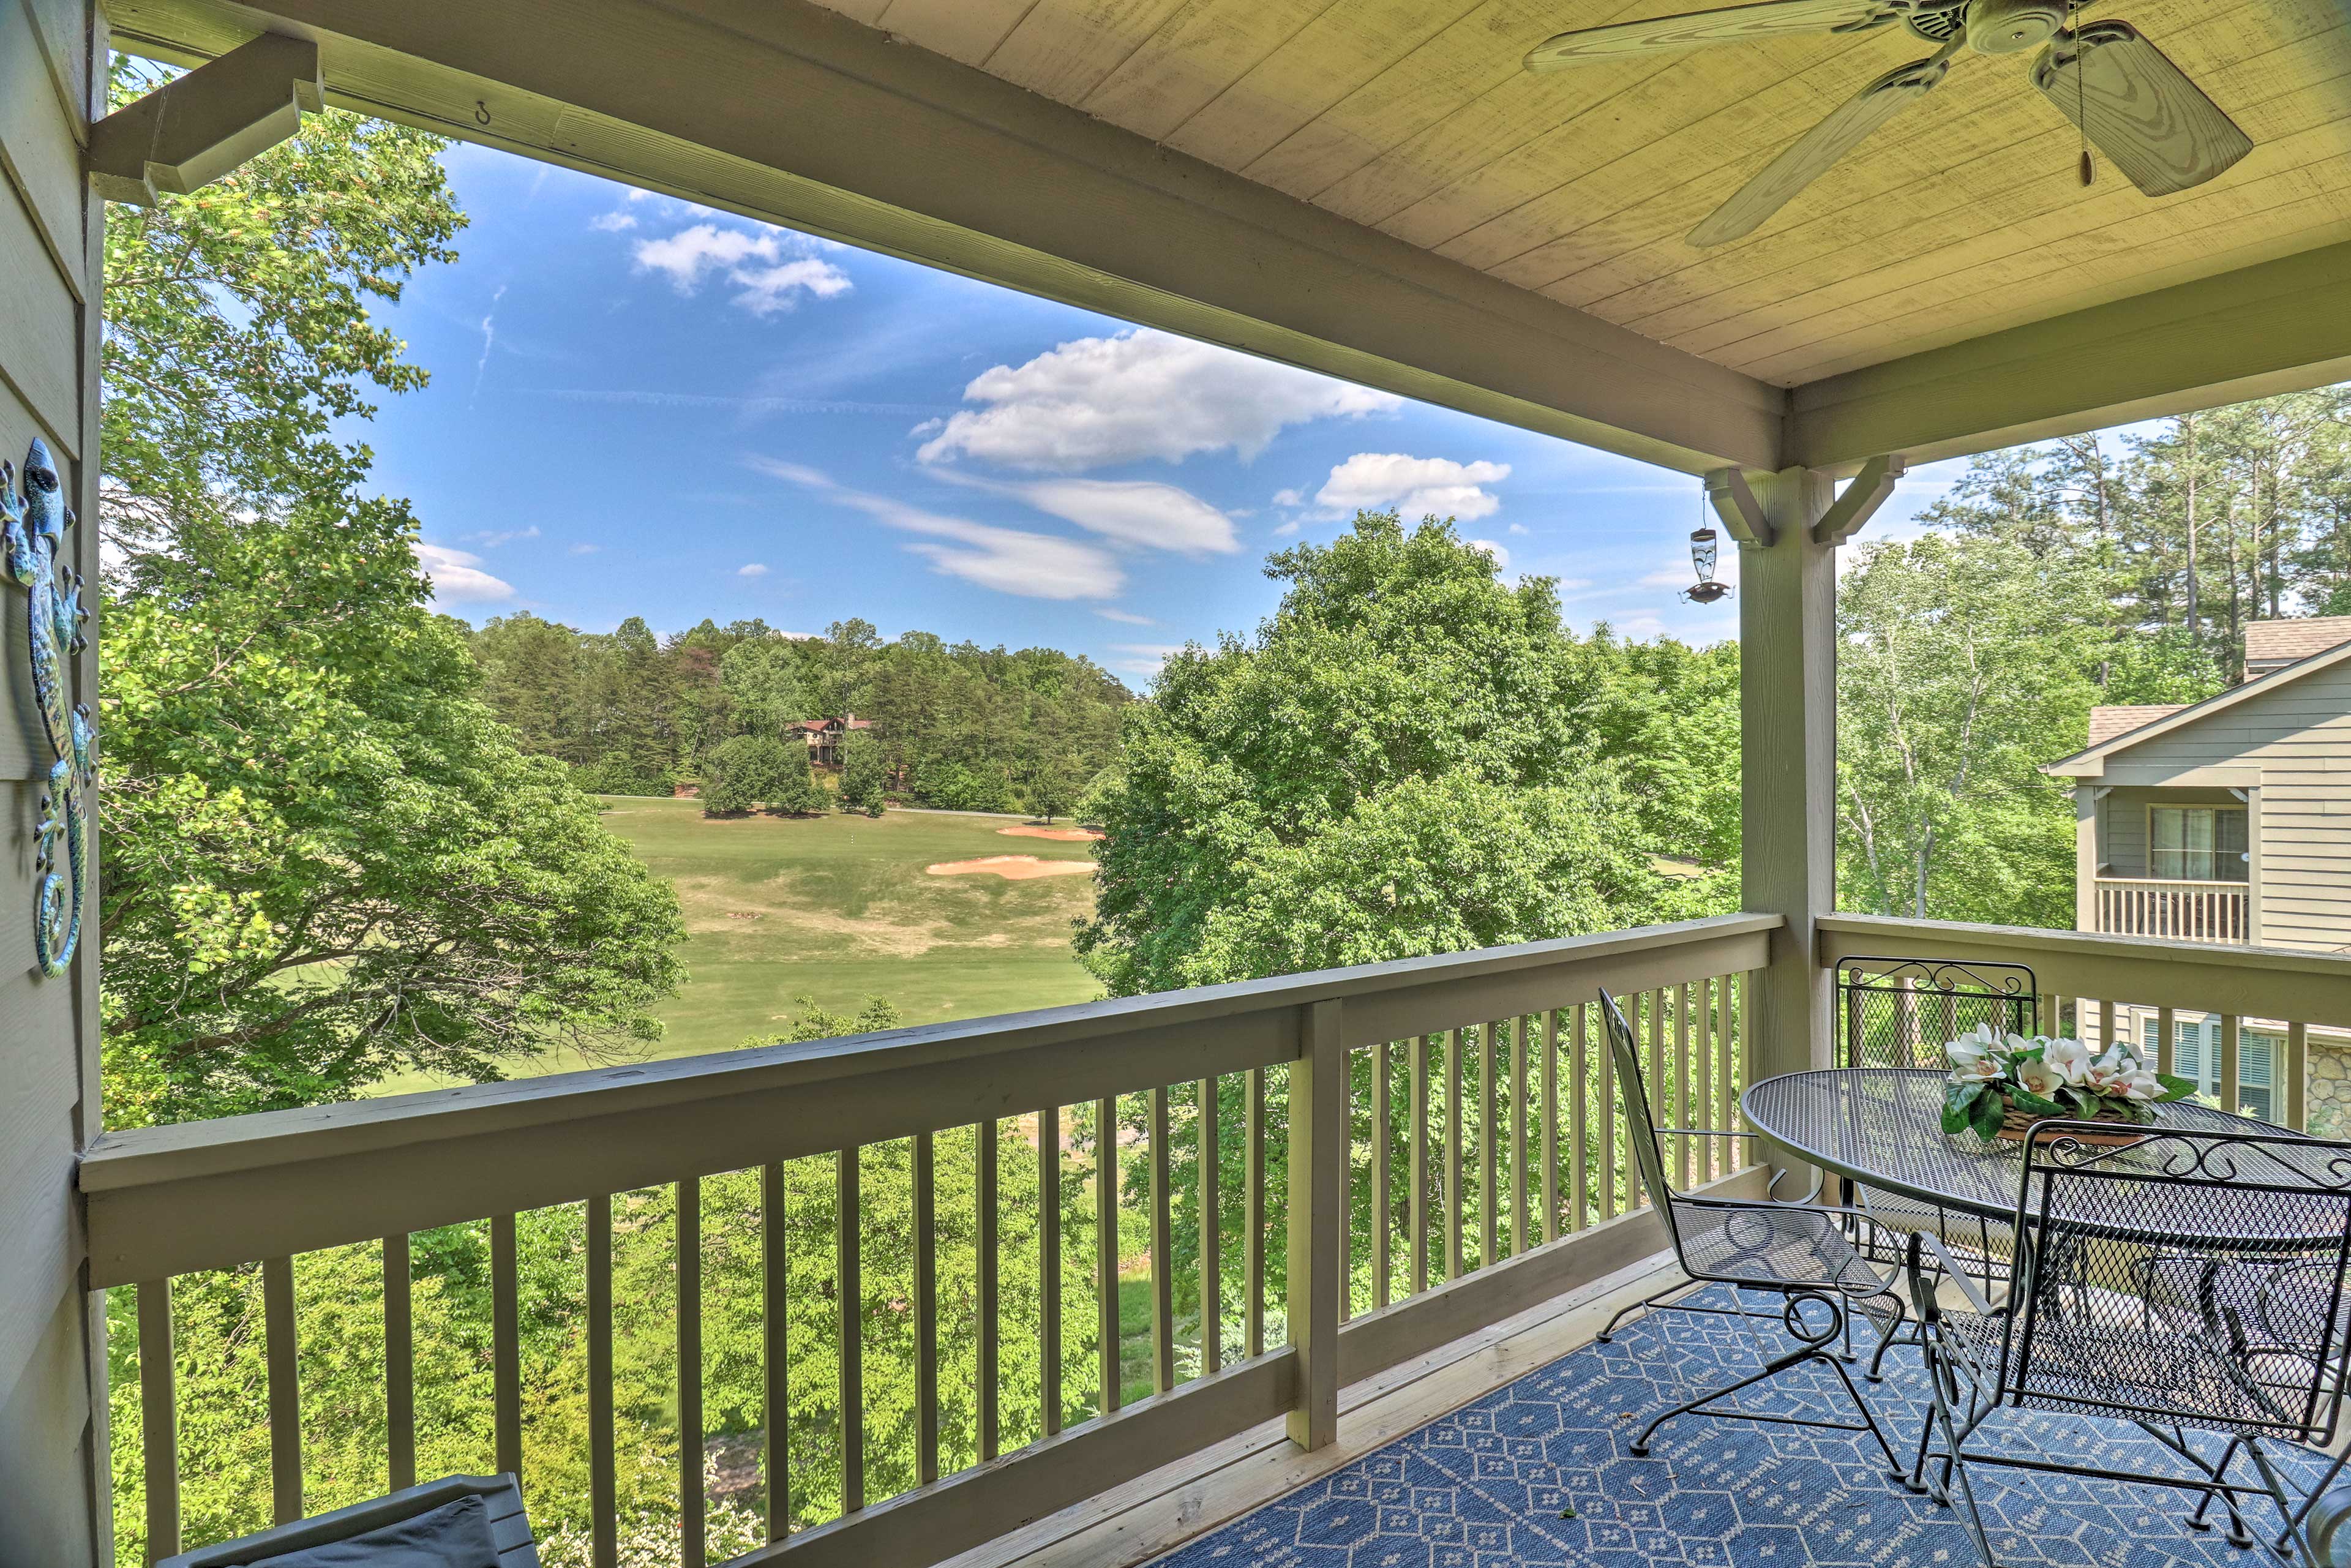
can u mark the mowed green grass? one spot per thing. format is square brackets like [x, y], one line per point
[839, 908]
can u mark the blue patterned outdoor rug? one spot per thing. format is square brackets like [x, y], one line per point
[1485, 1486]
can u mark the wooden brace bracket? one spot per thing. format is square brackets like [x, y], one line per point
[194, 129]
[1850, 512]
[1734, 501]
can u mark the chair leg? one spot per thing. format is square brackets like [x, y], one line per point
[2275, 1482]
[1955, 1468]
[2238, 1534]
[1771, 1369]
[1646, 1303]
[2294, 1520]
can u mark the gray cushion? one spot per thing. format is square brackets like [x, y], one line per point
[454, 1535]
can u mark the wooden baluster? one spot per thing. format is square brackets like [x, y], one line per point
[159, 1419]
[399, 1366]
[1606, 1059]
[1416, 1159]
[1253, 1205]
[604, 1490]
[2230, 1029]
[774, 1358]
[1489, 1124]
[990, 1416]
[849, 1282]
[1347, 1205]
[1660, 1081]
[1451, 1198]
[1106, 1249]
[1049, 1268]
[1685, 1109]
[1381, 1132]
[285, 1389]
[1549, 1112]
[927, 1309]
[1163, 1253]
[692, 1515]
[2295, 1092]
[1726, 1062]
[1578, 1093]
[1319, 1096]
[505, 1345]
[1212, 1263]
[1517, 1134]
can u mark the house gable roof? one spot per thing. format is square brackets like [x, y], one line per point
[2269, 645]
[2091, 762]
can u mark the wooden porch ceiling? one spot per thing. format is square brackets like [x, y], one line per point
[1414, 117]
[1376, 189]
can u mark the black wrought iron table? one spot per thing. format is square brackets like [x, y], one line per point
[1882, 1127]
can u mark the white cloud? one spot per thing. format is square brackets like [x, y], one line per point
[586, 550]
[756, 568]
[690, 255]
[613, 222]
[1010, 561]
[1518, 529]
[1501, 556]
[1290, 497]
[1415, 486]
[1132, 512]
[768, 289]
[1101, 401]
[489, 330]
[1143, 658]
[457, 577]
[1126, 618]
[492, 541]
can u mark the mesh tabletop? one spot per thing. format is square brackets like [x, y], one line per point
[1883, 1127]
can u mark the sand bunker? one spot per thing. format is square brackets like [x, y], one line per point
[1015, 868]
[1065, 835]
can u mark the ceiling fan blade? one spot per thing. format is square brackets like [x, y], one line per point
[1812, 154]
[1732, 25]
[2139, 108]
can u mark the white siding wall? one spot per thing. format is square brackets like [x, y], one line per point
[2299, 737]
[52, 1410]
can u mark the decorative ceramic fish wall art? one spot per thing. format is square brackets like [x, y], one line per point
[33, 524]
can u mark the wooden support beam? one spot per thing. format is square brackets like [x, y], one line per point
[2280, 326]
[1851, 512]
[1319, 1087]
[789, 113]
[1787, 606]
[192, 131]
[1735, 503]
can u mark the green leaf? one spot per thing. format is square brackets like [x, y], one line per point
[2032, 1104]
[1990, 1112]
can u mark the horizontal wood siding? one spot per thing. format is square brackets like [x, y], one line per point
[2299, 738]
[51, 1391]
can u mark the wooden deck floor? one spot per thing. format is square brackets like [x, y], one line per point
[1158, 1513]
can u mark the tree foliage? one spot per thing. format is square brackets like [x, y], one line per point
[1407, 759]
[325, 860]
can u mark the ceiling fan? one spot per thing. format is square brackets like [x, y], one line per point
[2128, 99]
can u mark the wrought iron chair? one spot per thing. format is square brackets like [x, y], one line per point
[1900, 1012]
[2185, 1281]
[1798, 1252]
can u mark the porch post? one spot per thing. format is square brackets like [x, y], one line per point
[1787, 702]
[2086, 857]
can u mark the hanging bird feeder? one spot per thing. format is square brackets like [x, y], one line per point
[1705, 590]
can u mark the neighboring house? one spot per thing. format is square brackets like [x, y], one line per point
[2228, 821]
[824, 737]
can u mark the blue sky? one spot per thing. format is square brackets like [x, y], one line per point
[643, 407]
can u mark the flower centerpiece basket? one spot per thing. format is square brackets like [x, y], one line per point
[2001, 1084]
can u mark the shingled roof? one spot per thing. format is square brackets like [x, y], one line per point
[2105, 723]
[2274, 645]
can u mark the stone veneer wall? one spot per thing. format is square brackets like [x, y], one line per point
[2330, 1090]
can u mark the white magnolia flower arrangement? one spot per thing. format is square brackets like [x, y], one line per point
[1994, 1073]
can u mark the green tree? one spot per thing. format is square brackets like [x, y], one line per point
[863, 778]
[748, 770]
[797, 792]
[1398, 763]
[325, 860]
[761, 677]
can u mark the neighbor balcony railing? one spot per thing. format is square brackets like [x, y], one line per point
[2181, 911]
[1453, 1149]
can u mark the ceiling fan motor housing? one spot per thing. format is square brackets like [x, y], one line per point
[2006, 26]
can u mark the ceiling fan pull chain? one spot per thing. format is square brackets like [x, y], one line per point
[2082, 97]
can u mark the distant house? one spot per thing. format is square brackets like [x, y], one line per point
[2228, 821]
[824, 737]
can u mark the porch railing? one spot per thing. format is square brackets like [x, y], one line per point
[2181, 911]
[1386, 1159]
[2098, 988]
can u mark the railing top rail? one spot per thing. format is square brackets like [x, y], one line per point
[2272, 982]
[167, 1200]
[2218, 884]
